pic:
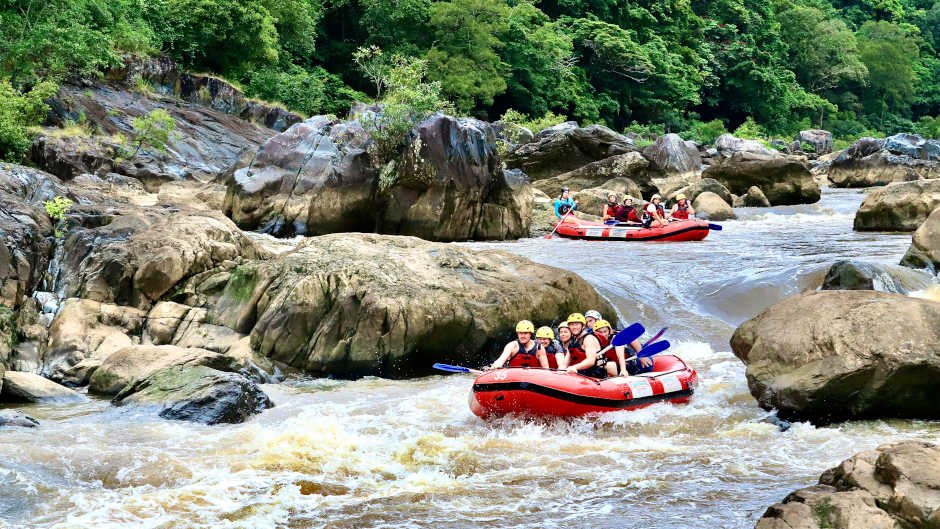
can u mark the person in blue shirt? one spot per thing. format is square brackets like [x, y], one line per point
[565, 203]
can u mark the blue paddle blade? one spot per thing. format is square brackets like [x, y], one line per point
[716, 227]
[627, 335]
[452, 369]
[653, 348]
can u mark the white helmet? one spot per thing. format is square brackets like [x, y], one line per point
[593, 314]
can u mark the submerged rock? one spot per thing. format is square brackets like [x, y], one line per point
[924, 251]
[197, 394]
[784, 180]
[859, 275]
[901, 206]
[567, 147]
[17, 418]
[893, 486]
[356, 304]
[829, 356]
[29, 387]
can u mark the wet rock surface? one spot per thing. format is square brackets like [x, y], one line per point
[876, 162]
[783, 180]
[28, 387]
[828, 356]
[318, 178]
[860, 275]
[197, 394]
[17, 418]
[567, 147]
[894, 486]
[924, 251]
[901, 206]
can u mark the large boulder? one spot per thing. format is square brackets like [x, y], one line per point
[29, 387]
[318, 177]
[356, 304]
[894, 486]
[821, 140]
[829, 355]
[672, 157]
[593, 200]
[25, 230]
[710, 206]
[698, 187]
[784, 180]
[197, 394]
[873, 162]
[86, 329]
[902, 206]
[566, 147]
[140, 361]
[924, 251]
[630, 165]
[728, 145]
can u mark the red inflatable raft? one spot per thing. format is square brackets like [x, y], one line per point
[541, 392]
[681, 230]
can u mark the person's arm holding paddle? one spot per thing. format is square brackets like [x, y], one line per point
[510, 349]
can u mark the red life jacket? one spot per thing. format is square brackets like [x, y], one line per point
[576, 349]
[659, 209]
[682, 212]
[602, 361]
[627, 214]
[525, 358]
[553, 347]
[610, 210]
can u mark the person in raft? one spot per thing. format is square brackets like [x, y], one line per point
[583, 348]
[682, 210]
[611, 208]
[553, 350]
[627, 212]
[565, 203]
[616, 362]
[523, 351]
[590, 317]
[564, 338]
[654, 215]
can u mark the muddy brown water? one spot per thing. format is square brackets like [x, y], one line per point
[381, 453]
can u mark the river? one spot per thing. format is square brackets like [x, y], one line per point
[408, 453]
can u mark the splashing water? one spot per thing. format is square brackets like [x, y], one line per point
[382, 453]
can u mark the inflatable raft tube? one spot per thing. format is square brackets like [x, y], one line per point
[682, 230]
[545, 392]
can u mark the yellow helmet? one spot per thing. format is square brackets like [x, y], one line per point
[600, 324]
[577, 317]
[681, 196]
[545, 332]
[525, 326]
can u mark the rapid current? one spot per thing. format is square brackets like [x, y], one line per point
[408, 453]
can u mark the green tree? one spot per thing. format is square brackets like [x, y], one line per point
[465, 56]
[890, 54]
[311, 91]
[18, 112]
[823, 52]
[153, 129]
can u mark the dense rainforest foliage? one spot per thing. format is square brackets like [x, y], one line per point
[851, 66]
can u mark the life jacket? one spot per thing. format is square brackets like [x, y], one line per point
[550, 351]
[682, 212]
[601, 361]
[610, 210]
[576, 350]
[525, 358]
[627, 214]
[659, 209]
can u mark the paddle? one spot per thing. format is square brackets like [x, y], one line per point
[549, 236]
[716, 227]
[624, 337]
[652, 349]
[654, 338]
[456, 369]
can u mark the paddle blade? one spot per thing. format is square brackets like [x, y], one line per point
[451, 369]
[549, 236]
[653, 348]
[627, 335]
[716, 227]
[656, 336]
